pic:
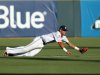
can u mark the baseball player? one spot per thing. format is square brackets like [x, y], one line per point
[39, 42]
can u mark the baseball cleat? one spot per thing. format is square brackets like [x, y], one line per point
[5, 53]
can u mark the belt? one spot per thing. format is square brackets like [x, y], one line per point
[44, 43]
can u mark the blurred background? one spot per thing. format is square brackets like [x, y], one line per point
[79, 16]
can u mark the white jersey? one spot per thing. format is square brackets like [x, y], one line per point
[55, 36]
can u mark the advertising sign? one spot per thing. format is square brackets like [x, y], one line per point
[90, 18]
[27, 18]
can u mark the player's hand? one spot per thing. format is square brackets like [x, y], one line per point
[68, 53]
[83, 50]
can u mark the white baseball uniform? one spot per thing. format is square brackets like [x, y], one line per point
[37, 44]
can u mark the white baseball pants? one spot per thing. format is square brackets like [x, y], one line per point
[29, 50]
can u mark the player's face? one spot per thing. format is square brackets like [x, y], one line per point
[62, 32]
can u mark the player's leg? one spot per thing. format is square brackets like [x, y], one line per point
[32, 46]
[32, 52]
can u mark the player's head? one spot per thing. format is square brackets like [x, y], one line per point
[63, 29]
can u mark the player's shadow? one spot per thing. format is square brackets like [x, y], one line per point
[52, 59]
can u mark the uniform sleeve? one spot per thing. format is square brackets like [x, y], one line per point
[57, 37]
[65, 39]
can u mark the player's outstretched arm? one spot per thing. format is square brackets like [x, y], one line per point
[81, 50]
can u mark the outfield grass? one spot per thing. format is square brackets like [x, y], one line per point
[52, 59]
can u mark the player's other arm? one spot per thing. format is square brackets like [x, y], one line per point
[81, 50]
[63, 47]
[65, 39]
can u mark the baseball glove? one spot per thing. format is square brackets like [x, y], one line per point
[83, 50]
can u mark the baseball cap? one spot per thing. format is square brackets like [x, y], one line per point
[63, 27]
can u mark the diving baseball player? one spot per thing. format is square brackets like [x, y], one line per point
[39, 42]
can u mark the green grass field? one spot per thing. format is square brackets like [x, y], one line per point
[52, 59]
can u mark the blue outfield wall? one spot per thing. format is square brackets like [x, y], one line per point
[27, 18]
[90, 12]
[34, 18]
